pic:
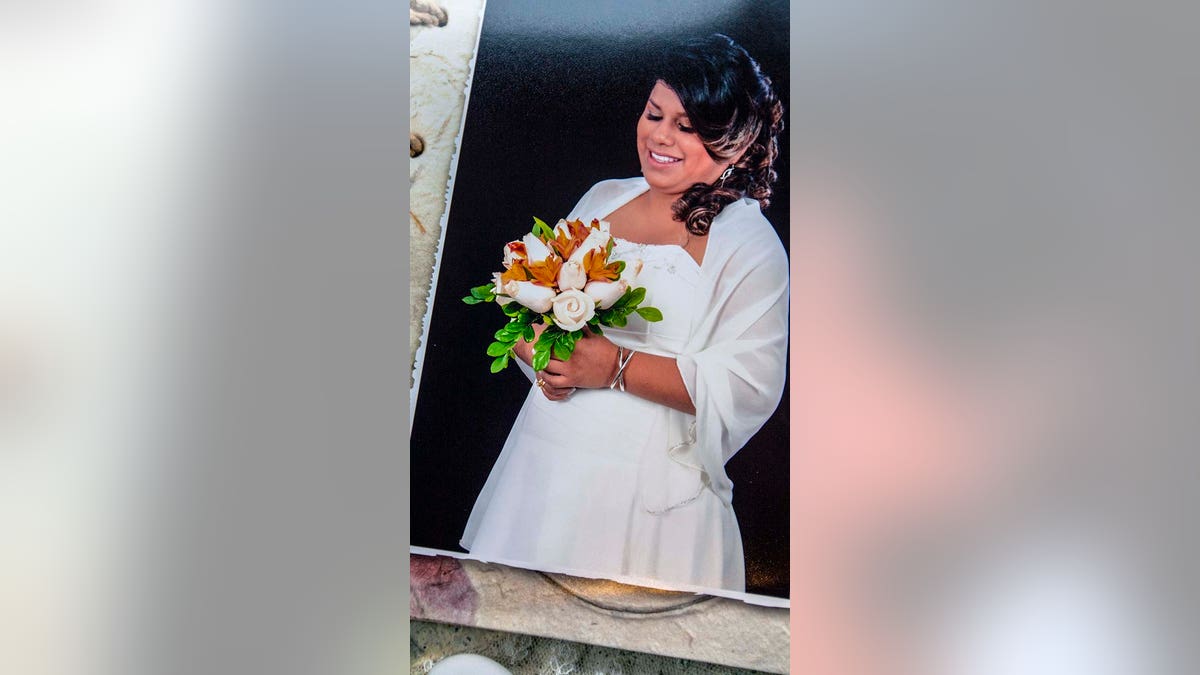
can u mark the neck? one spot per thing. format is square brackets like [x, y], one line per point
[660, 205]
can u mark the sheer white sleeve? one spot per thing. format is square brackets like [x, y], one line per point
[734, 365]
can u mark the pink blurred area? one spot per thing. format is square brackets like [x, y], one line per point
[990, 330]
[945, 517]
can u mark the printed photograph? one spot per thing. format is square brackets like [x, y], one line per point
[601, 385]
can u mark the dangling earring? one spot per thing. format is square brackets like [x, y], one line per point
[725, 174]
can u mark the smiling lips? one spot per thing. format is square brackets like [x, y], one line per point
[663, 160]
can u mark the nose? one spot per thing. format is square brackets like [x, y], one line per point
[662, 133]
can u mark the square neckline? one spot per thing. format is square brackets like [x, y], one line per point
[642, 188]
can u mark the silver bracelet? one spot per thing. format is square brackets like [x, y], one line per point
[620, 357]
[619, 381]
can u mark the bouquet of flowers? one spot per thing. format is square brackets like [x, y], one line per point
[562, 276]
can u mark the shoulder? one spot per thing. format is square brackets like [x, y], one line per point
[742, 229]
[596, 201]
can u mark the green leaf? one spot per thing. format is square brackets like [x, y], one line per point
[471, 300]
[541, 229]
[541, 359]
[564, 347]
[483, 292]
[650, 313]
[618, 320]
[500, 363]
[596, 330]
[528, 333]
[498, 348]
[507, 334]
[512, 308]
[620, 266]
[636, 296]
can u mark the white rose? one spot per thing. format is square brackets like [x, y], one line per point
[571, 276]
[632, 269]
[596, 239]
[573, 309]
[535, 250]
[513, 251]
[535, 297]
[498, 290]
[605, 293]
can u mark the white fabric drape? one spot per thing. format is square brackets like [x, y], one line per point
[734, 362]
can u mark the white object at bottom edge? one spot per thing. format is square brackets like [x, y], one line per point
[468, 664]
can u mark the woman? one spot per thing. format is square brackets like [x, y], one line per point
[615, 465]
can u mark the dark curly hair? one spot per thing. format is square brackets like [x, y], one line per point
[731, 105]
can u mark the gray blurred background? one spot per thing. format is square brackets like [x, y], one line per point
[202, 267]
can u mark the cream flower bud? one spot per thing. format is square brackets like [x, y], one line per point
[596, 239]
[513, 251]
[571, 276]
[535, 250]
[498, 290]
[535, 297]
[573, 309]
[605, 293]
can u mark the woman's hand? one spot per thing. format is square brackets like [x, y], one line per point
[561, 378]
[524, 350]
[591, 366]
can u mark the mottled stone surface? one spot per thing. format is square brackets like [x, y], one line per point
[715, 630]
[439, 588]
[526, 655]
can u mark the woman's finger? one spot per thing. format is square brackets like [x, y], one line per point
[548, 380]
[557, 393]
[556, 381]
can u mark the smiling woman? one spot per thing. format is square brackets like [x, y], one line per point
[672, 155]
[628, 482]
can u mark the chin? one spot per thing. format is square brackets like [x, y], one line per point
[660, 186]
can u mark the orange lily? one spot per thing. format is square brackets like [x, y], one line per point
[545, 273]
[595, 263]
[518, 272]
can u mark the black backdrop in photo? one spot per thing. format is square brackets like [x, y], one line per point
[556, 93]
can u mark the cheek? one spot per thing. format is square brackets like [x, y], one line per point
[701, 159]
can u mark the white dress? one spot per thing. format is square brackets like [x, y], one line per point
[568, 492]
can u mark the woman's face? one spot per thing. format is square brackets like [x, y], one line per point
[672, 155]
